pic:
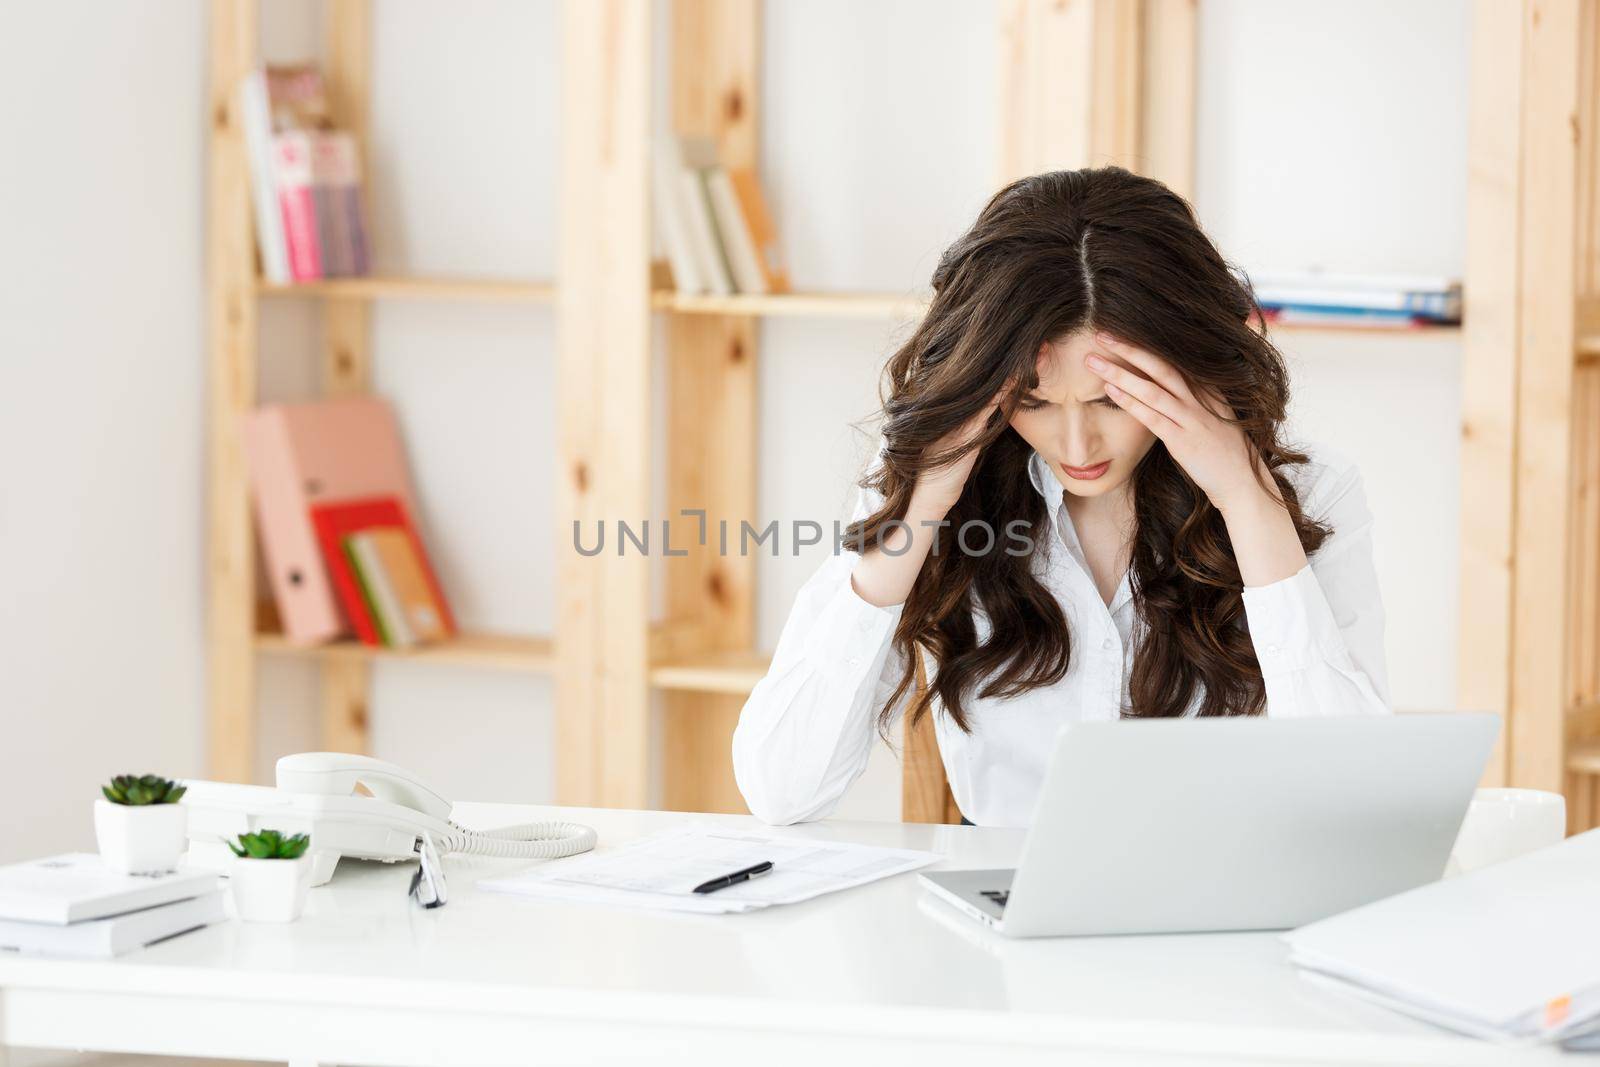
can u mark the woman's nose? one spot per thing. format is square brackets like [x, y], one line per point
[1081, 439]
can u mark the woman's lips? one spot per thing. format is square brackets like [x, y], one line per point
[1087, 474]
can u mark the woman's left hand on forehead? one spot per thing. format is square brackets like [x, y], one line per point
[1213, 450]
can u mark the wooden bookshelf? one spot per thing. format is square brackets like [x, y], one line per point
[732, 673]
[1431, 330]
[534, 655]
[908, 308]
[715, 672]
[395, 288]
[807, 305]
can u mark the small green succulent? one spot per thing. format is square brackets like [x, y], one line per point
[270, 845]
[138, 790]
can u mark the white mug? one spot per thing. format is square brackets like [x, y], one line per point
[1502, 824]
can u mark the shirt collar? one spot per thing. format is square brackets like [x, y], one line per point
[1049, 486]
[1055, 497]
[1044, 479]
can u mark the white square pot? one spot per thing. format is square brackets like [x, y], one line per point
[269, 891]
[140, 838]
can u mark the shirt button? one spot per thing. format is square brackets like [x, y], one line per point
[1272, 650]
[1106, 644]
[866, 624]
[855, 661]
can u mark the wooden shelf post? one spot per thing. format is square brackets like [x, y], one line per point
[347, 347]
[604, 358]
[711, 422]
[1518, 375]
[231, 330]
[1095, 83]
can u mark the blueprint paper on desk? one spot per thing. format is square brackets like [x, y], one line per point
[661, 871]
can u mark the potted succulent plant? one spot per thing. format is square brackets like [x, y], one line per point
[270, 876]
[139, 824]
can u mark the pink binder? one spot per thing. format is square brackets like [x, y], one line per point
[314, 453]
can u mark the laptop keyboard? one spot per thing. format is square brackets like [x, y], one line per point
[999, 896]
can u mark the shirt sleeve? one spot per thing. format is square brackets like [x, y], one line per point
[807, 730]
[1318, 634]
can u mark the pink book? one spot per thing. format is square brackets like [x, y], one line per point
[305, 455]
[338, 172]
[293, 168]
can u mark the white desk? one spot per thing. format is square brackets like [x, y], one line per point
[881, 973]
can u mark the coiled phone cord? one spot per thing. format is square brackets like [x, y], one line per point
[530, 841]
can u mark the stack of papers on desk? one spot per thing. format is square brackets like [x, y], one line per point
[662, 870]
[1510, 953]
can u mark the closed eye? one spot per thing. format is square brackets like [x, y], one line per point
[1034, 403]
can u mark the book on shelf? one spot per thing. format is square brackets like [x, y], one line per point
[751, 257]
[1326, 297]
[397, 586]
[681, 246]
[715, 224]
[1352, 318]
[336, 524]
[336, 171]
[255, 111]
[303, 456]
[305, 178]
[377, 593]
[697, 153]
[759, 231]
[291, 164]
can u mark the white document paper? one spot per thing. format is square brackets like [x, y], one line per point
[662, 870]
[1510, 952]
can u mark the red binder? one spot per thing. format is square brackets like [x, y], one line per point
[335, 521]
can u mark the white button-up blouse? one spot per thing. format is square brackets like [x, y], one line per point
[809, 725]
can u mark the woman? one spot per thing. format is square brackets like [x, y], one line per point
[1081, 510]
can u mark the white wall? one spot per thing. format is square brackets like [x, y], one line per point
[102, 116]
[1330, 136]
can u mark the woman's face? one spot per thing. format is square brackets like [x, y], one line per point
[1092, 444]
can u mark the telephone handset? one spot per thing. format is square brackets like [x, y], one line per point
[338, 774]
[316, 795]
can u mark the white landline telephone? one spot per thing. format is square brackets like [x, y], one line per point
[316, 795]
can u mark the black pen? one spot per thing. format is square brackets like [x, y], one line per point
[733, 879]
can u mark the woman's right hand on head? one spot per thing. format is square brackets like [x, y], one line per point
[940, 487]
[886, 577]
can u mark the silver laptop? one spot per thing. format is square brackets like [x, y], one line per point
[1179, 825]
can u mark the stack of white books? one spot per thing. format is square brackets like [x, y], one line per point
[74, 905]
[715, 223]
[1509, 953]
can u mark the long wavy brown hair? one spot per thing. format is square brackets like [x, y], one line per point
[1050, 254]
